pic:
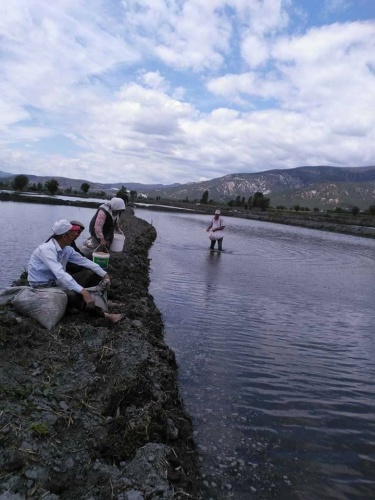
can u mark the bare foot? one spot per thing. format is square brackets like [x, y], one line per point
[114, 318]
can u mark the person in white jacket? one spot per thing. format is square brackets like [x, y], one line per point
[216, 229]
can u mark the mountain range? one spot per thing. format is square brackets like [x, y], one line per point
[324, 187]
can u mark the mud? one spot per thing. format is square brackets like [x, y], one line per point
[92, 411]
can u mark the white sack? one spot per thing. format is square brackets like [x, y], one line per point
[46, 305]
[8, 294]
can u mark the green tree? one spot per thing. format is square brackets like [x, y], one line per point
[260, 201]
[204, 198]
[371, 209]
[133, 194]
[122, 193]
[52, 186]
[355, 211]
[85, 187]
[263, 203]
[20, 182]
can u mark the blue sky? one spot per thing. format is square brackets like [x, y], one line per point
[164, 91]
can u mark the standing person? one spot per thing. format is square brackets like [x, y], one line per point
[105, 221]
[216, 229]
[47, 268]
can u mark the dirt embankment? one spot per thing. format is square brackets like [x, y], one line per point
[91, 411]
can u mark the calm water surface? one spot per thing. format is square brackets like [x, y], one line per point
[276, 346]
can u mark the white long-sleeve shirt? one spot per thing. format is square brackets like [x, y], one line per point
[48, 263]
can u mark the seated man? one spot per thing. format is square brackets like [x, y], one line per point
[47, 267]
[77, 228]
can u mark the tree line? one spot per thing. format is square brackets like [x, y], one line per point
[257, 200]
[21, 183]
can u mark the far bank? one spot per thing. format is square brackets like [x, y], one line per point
[362, 225]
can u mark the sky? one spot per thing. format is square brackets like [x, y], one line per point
[166, 91]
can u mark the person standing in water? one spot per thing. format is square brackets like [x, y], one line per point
[216, 230]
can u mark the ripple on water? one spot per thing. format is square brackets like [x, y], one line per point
[275, 343]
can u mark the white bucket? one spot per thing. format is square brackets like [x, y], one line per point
[118, 242]
[101, 258]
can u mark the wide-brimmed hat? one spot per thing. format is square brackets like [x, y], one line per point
[217, 212]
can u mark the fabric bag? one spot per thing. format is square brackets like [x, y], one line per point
[99, 294]
[46, 305]
[216, 235]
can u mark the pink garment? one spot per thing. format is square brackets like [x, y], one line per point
[99, 223]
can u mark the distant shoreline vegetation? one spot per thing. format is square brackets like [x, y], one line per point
[358, 224]
[47, 200]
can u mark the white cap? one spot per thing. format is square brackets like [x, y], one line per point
[62, 226]
[117, 204]
[217, 212]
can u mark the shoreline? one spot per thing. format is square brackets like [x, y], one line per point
[362, 226]
[92, 411]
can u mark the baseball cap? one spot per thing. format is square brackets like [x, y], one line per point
[61, 226]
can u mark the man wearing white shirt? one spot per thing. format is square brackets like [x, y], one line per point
[47, 267]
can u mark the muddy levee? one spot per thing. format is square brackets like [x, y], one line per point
[92, 411]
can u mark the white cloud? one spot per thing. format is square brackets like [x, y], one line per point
[173, 91]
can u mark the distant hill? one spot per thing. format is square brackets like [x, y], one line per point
[65, 182]
[323, 187]
[320, 186]
[4, 174]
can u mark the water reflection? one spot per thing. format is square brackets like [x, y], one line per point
[211, 276]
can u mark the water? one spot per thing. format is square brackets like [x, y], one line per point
[24, 226]
[56, 197]
[275, 342]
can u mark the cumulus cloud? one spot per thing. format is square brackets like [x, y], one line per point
[175, 91]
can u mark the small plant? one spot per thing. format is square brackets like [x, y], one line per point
[39, 428]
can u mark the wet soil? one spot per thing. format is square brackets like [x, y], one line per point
[90, 410]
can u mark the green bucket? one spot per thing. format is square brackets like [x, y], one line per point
[101, 258]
